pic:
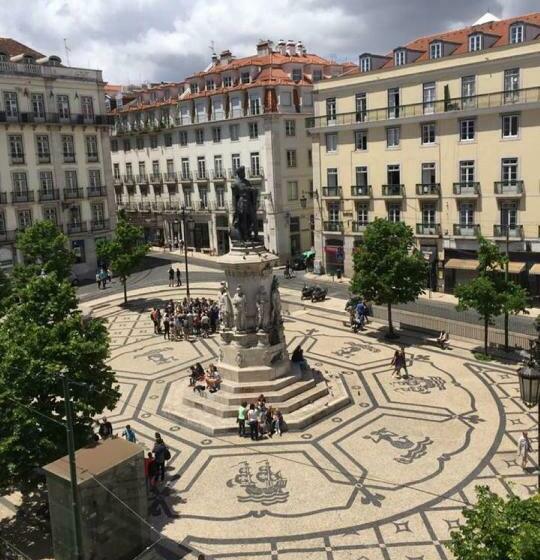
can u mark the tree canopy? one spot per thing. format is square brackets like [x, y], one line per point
[387, 268]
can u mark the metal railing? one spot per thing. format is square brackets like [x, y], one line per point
[7, 235]
[22, 196]
[218, 175]
[3, 198]
[361, 190]
[55, 118]
[456, 104]
[428, 189]
[170, 177]
[359, 227]
[331, 192]
[255, 172]
[333, 226]
[467, 230]
[96, 191]
[70, 194]
[51, 194]
[469, 188]
[117, 181]
[428, 229]
[393, 190]
[202, 176]
[514, 232]
[186, 177]
[509, 187]
[129, 179]
[76, 227]
[156, 178]
[98, 225]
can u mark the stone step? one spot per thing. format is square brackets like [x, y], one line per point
[264, 387]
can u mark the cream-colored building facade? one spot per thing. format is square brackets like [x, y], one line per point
[442, 134]
[54, 153]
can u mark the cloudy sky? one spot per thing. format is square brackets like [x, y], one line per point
[154, 40]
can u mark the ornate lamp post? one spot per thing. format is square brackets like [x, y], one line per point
[187, 222]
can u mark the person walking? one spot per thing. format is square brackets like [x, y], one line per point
[160, 454]
[98, 280]
[105, 429]
[150, 471]
[404, 362]
[178, 277]
[524, 448]
[167, 327]
[397, 362]
[242, 419]
[109, 275]
[171, 277]
[252, 420]
[129, 434]
[103, 277]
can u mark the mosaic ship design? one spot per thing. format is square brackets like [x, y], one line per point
[266, 487]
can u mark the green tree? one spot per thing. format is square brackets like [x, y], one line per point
[498, 529]
[45, 247]
[42, 333]
[387, 269]
[125, 251]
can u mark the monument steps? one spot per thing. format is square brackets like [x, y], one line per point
[243, 388]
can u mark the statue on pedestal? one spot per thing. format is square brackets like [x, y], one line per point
[275, 317]
[225, 308]
[263, 310]
[245, 208]
[239, 309]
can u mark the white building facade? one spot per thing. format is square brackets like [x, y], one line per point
[54, 153]
[179, 145]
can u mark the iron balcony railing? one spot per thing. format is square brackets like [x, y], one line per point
[359, 227]
[49, 194]
[467, 230]
[393, 190]
[142, 179]
[255, 172]
[156, 178]
[129, 179]
[56, 118]
[22, 196]
[170, 177]
[515, 231]
[98, 225]
[76, 227]
[117, 181]
[218, 175]
[428, 229]
[428, 189]
[333, 226]
[70, 194]
[7, 235]
[186, 177]
[3, 198]
[457, 104]
[509, 187]
[331, 192]
[467, 188]
[44, 157]
[361, 190]
[96, 191]
[202, 175]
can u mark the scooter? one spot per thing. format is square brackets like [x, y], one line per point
[307, 292]
[318, 294]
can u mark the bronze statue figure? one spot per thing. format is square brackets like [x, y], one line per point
[245, 208]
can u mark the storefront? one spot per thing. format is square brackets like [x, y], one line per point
[334, 256]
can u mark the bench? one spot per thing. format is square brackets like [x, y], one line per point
[207, 251]
[433, 334]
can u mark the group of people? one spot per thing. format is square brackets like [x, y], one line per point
[175, 277]
[399, 362]
[260, 418]
[201, 380]
[187, 318]
[155, 461]
[103, 275]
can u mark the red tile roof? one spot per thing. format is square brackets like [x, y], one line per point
[13, 48]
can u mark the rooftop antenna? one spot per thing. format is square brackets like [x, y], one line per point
[212, 47]
[68, 50]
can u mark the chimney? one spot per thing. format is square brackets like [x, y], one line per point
[264, 47]
[226, 56]
[291, 48]
[281, 49]
[300, 49]
[215, 58]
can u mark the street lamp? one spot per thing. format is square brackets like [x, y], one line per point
[186, 222]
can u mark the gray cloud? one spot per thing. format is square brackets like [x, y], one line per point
[158, 40]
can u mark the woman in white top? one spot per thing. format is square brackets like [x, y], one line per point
[253, 423]
[524, 448]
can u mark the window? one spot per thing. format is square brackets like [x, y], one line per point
[511, 85]
[393, 136]
[428, 133]
[400, 57]
[116, 170]
[46, 183]
[365, 64]
[199, 135]
[292, 190]
[428, 98]
[183, 138]
[49, 213]
[475, 42]
[94, 178]
[167, 140]
[20, 183]
[255, 165]
[296, 74]
[509, 170]
[429, 215]
[114, 145]
[203, 197]
[68, 148]
[78, 249]
[428, 174]
[310, 157]
[24, 219]
[466, 172]
[466, 129]
[87, 107]
[142, 169]
[186, 174]
[16, 148]
[155, 167]
[253, 130]
[333, 212]
[187, 197]
[394, 213]
[71, 183]
[435, 50]
[139, 142]
[468, 90]
[218, 166]
[126, 144]
[220, 197]
[129, 170]
[210, 85]
[508, 215]
[98, 212]
[153, 142]
[331, 141]
[62, 106]
[227, 81]
[216, 134]
[38, 105]
[331, 109]
[393, 103]
[194, 87]
[361, 173]
[290, 128]
[360, 139]
[74, 215]
[235, 161]
[291, 158]
[361, 107]
[332, 177]
[2, 222]
[316, 75]
[201, 167]
[234, 132]
[43, 148]
[510, 126]
[91, 148]
[254, 105]
[466, 214]
[362, 214]
[393, 174]
[245, 77]
[516, 33]
[11, 104]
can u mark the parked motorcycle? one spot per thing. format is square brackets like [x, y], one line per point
[307, 292]
[318, 294]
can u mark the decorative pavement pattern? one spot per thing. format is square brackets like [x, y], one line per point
[385, 478]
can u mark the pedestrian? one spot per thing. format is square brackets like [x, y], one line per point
[524, 448]
[103, 277]
[178, 277]
[167, 328]
[404, 362]
[242, 419]
[171, 277]
[150, 471]
[105, 429]
[161, 453]
[153, 316]
[98, 279]
[252, 420]
[397, 362]
[109, 275]
[129, 434]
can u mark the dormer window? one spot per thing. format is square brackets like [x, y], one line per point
[153, 96]
[317, 75]
[297, 74]
[210, 85]
[365, 64]
[245, 78]
[194, 87]
[227, 81]
[3, 57]
[400, 57]
[435, 50]
[475, 42]
[517, 33]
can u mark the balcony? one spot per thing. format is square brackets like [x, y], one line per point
[361, 191]
[69, 157]
[393, 191]
[54, 118]
[16, 159]
[76, 227]
[185, 177]
[468, 189]
[466, 230]
[170, 177]
[428, 190]
[48, 195]
[92, 158]
[331, 192]
[156, 178]
[129, 180]
[117, 182]
[428, 229]
[221, 206]
[7, 235]
[44, 158]
[255, 173]
[508, 189]
[201, 177]
[332, 227]
[21, 196]
[71, 194]
[488, 102]
[201, 206]
[99, 225]
[359, 227]
[512, 232]
[142, 179]
[95, 192]
[218, 175]
[3, 198]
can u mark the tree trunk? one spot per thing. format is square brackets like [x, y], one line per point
[124, 282]
[486, 327]
[390, 325]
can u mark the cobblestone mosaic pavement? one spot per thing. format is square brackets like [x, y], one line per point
[384, 478]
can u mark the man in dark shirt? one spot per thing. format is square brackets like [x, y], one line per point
[160, 451]
[105, 429]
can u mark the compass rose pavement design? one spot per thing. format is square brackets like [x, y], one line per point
[384, 478]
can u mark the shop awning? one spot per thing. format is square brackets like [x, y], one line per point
[535, 269]
[308, 254]
[514, 267]
[462, 264]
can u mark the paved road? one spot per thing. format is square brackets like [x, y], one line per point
[155, 267]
